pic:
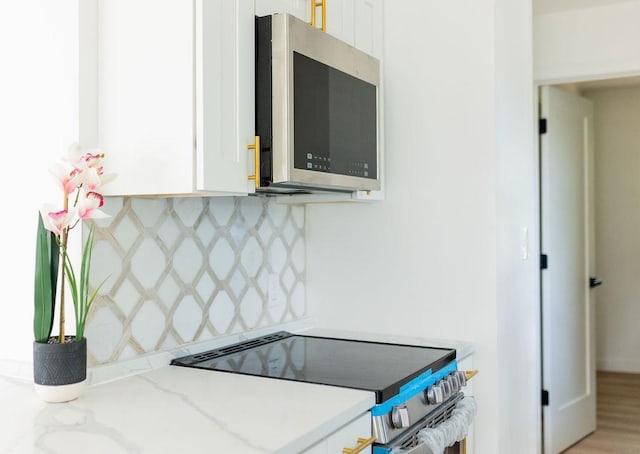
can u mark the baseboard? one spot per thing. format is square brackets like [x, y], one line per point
[619, 365]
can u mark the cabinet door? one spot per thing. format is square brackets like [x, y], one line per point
[176, 95]
[318, 448]
[347, 437]
[298, 8]
[224, 95]
[357, 22]
[145, 94]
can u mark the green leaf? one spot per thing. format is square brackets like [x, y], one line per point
[46, 278]
[85, 299]
[53, 266]
[73, 284]
[79, 285]
[80, 326]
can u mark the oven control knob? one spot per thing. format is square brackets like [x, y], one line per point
[400, 417]
[453, 381]
[434, 395]
[446, 389]
[462, 378]
[458, 382]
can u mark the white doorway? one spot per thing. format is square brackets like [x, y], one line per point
[617, 224]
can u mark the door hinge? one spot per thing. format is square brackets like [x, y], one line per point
[544, 261]
[542, 126]
[545, 398]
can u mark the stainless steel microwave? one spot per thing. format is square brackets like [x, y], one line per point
[316, 110]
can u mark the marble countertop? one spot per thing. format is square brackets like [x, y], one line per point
[174, 409]
[146, 406]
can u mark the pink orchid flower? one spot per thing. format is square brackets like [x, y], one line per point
[90, 170]
[93, 162]
[78, 176]
[76, 154]
[56, 221]
[67, 178]
[88, 205]
[90, 176]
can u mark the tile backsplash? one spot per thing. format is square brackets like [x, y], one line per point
[182, 270]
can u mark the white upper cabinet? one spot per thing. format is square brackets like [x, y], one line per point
[356, 22]
[175, 95]
[299, 8]
[169, 93]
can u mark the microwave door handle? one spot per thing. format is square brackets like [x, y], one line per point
[255, 146]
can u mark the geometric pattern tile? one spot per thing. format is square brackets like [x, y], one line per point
[191, 269]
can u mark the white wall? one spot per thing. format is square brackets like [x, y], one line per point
[518, 300]
[617, 191]
[39, 118]
[588, 43]
[440, 257]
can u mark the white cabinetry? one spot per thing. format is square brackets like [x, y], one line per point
[356, 22]
[345, 437]
[299, 8]
[173, 86]
[175, 104]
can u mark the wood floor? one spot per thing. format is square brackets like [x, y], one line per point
[618, 416]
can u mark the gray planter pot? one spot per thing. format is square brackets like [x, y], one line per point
[60, 364]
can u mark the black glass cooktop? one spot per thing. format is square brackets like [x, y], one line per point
[372, 366]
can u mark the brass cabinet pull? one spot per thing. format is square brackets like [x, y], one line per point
[255, 146]
[469, 374]
[362, 443]
[314, 5]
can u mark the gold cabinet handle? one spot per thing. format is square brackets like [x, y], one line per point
[469, 374]
[314, 5]
[362, 443]
[255, 146]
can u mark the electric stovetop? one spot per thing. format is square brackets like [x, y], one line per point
[372, 366]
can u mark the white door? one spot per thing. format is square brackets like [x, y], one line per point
[568, 325]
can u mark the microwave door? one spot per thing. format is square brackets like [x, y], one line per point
[324, 109]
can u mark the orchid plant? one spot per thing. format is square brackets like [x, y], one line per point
[79, 177]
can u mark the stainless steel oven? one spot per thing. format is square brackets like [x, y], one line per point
[444, 431]
[419, 390]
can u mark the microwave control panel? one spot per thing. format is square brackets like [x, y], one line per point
[323, 164]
